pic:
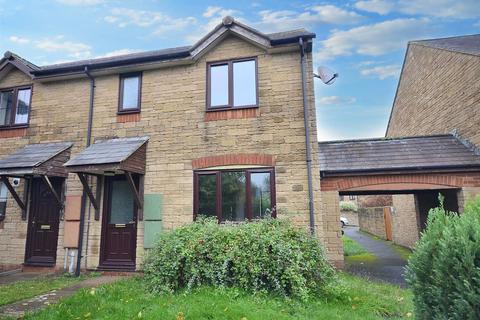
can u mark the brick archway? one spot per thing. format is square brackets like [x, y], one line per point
[234, 159]
[400, 182]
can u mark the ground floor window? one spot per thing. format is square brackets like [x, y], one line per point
[235, 195]
[3, 200]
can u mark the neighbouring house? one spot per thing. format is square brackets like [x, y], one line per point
[112, 151]
[431, 144]
[438, 93]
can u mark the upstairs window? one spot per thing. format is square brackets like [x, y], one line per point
[15, 106]
[3, 201]
[235, 195]
[232, 84]
[130, 93]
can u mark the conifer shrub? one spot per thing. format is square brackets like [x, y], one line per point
[264, 256]
[444, 269]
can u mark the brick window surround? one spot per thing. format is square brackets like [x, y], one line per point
[128, 117]
[231, 114]
[13, 133]
[233, 159]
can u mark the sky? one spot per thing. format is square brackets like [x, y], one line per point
[362, 40]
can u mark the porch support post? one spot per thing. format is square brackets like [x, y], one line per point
[13, 192]
[87, 189]
[47, 181]
[137, 198]
[98, 195]
[26, 196]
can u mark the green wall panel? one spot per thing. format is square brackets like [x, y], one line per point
[152, 216]
[153, 207]
[152, 230]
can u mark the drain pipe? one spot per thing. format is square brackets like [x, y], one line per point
[306, 118]
[84, 193]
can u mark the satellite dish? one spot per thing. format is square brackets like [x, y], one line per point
[326, 75]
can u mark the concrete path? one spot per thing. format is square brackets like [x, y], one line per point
[18, 309]
[389, 265]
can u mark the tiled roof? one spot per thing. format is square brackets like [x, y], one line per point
[108, 151]
[385, 154]
[465, 44]
[33, 155]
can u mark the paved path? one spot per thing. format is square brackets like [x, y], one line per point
[18, 309]
[11, 277]
[389, 265]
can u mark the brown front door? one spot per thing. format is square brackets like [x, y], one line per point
[43, 220]
[119, 228]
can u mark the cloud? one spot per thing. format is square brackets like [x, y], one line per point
[19, 40]
[321, 14]
[377, 6]
[382, 72]
[373, 40]
[212, 11]
[214, 14]
[336, 100]
[76, 50]
[162, 23]
[81, 2]
[455, 9]
[118, 52]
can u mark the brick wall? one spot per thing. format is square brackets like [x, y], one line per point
[173, 115]
[438, 91]
[374, 201]
[371, 220]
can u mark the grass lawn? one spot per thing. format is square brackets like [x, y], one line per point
[354, 252]
[29, 288]
[351, 298]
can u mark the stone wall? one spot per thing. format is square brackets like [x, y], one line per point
[173, 116]
[405, 220]
[351, 216]
[438, 92]
[371, 220]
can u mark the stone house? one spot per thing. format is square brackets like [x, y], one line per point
[431, 143]
[438, 93]
[101, 155]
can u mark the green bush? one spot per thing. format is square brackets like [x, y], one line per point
[444, 269]
[264, 256]
[348, 206]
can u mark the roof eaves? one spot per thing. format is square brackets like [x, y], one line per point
[228, 24]
[386, 170]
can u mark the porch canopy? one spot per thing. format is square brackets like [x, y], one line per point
[42, 160]
[109, 157]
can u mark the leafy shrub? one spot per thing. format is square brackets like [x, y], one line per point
[444, 269]
[264, 256]
[348, 206]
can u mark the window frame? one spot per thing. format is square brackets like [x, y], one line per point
[122, 78]
[230, 105]
[248, 195]
[11, 122]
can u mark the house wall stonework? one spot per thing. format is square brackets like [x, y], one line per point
[438, 92]
[173, 116]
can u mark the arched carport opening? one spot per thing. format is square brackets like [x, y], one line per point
[415, 167]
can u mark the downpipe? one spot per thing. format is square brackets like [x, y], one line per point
[84, 193]
[306, 119]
